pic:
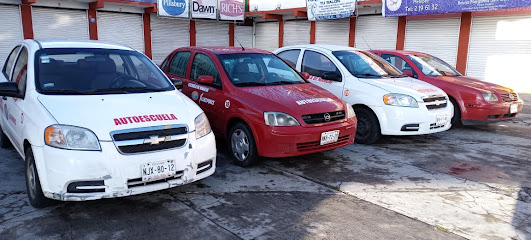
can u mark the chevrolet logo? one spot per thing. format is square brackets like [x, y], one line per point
[154, 140]
[327, 117]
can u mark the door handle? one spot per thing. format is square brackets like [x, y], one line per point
[4, 97]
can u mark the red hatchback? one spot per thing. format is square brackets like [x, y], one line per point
[475, 101]
[261, 105]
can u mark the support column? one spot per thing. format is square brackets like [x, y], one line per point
[93, 24]
[27, 21]
[192, 33]
[352, 32]
[464, 40]
[147, 35]
[401, 33]
[312, 32]
[280, 33]
[231, 34]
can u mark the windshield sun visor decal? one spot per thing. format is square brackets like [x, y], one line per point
[144, 118]
[314, 100]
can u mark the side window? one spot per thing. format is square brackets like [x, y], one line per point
[163, 65]
[290, 56]
[398, 62]
[317, 64]
[20, 72]
[9, 62]
[203, 65]
[179, 63]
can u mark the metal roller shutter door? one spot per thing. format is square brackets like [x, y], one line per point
[10, 30]
[500, 50]
[333, 32]
[266, 36]
[244, 35]
[168, 35]
[211, 33]
[377, 31]
[296, 32]
[123, 28]
[59, 23]
[438, 37]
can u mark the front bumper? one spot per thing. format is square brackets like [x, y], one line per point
[294, 141]
[484, 113]
[393, 119]
[58, 168]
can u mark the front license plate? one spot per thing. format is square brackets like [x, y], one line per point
[514, 108]
[158, 170]
[329, 137]
[441, 119]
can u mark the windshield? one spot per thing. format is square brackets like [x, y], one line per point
[258, 69]
[432, 66]
[366, 65]
[96, 71]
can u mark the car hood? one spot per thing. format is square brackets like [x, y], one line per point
[105, 113]
[293, 99]
[475, 83]
[409, 86]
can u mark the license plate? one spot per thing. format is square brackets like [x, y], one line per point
[514, 108]
[329, 137]
[158, 170]
[441, 119]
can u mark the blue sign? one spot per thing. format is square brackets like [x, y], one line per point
[394, 8]
[173, 8]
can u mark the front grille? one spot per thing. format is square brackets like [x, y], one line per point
[323, 117]
[317, 144]
[436, 102]
[149, 139]
[137, 182]
[507, 97]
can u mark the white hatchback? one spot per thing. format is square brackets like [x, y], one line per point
[95, 120]
[386, 102]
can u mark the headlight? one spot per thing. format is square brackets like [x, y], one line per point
[202, 126]
[350, 111]
[489, 96]
[395, 99]
[70, 137]
[279, 119]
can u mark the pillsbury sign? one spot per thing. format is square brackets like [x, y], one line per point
[173, 8]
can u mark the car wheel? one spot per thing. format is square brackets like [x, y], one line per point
[242, 145]
[456, 119]
[4, 141]
[33, 183]
[368, 129]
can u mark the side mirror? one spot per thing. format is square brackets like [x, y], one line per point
[409, 73]
[9, 89]
[334, 76]
[178, 83]
[305, 75]
[205, 80]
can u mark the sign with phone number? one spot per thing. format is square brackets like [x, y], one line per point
[394, 8]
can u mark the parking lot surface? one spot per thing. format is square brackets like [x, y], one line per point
[471, 182]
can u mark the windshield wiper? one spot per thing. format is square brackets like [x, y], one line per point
[283, 82]
[64, 92]
[125, 89]
[367, 75]
[244, 84]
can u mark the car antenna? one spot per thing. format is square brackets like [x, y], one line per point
[366, 42]
[243, 49]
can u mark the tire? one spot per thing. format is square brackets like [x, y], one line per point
[368, 129]
[242, 146]
[456, 119]
[4, 141]
[33, 183]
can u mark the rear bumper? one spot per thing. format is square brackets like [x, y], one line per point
[294, 141]
[479, 114]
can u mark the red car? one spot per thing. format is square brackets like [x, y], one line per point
[261, 105]
[475, 101]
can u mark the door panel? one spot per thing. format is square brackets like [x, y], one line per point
[316, 64]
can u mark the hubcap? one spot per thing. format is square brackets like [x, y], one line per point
[32, 183]
[240, 145]
[363, 127]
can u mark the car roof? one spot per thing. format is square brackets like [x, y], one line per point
[404, 52]
[225, 50]
[325, 47]
[67, 43]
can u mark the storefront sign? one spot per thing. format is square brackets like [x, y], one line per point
[329, 9]
[231, 10]
[173, 8]
[393, 8]
[204, 9]
[268, 5]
